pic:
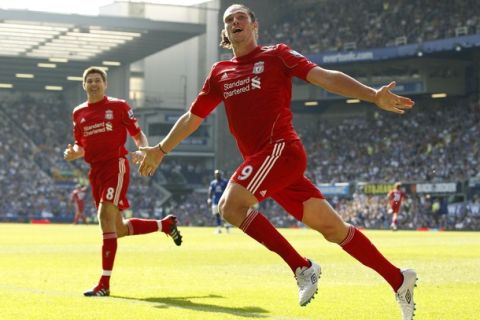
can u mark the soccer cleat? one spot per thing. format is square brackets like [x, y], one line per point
[307, 281]
[169, 226]
[98, 291]
[404, 294]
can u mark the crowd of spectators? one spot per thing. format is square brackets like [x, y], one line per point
[182, 171]
[25, 188]
[438, 141]
[35, 180]
[337, 25]
[417, 212]
[424, 212]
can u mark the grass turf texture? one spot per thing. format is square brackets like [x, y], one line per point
[45, 268]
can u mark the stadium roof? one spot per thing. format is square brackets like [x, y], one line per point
[47, 49]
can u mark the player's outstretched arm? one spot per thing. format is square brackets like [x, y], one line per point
[73, 152]
[183, 128]
[339, 83]
[389, 101]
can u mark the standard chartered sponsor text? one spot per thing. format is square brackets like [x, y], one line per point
[94, 129]
[239, 86]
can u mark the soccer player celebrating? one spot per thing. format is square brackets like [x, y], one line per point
[215, 191]
[77, 197]
[256, 88]
[395, 198]
[100, 127]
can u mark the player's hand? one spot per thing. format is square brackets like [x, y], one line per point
[137, 157]
[152, 159]
[69, 154]
[389, 101]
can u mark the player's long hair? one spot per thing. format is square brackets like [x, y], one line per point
[224, 41]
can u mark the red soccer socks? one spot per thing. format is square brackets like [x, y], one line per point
[142, 226]
[109, 249]
[360, 247]
[260, 229]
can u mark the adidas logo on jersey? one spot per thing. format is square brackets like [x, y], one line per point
[224, 77]
[263, 193]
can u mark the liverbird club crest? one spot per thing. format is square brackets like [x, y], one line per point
[108, 114]
[258, 67]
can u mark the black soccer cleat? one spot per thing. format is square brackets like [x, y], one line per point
[98, 291]
[169, 226]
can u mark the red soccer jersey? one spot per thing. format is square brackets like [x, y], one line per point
[256, 90]
[395, 198]
[101, 128]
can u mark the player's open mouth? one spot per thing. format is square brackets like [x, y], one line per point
[237, 30]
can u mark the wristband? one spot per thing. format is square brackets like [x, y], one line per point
[161, 149]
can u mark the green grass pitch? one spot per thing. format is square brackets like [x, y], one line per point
[45, 268]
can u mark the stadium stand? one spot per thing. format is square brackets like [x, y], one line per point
[36, 182]
[418, 146]
[436, 142]
[314, 27]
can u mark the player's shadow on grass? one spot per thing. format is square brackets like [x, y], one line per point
[187, 303]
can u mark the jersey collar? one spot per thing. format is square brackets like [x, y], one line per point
[247, 56]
